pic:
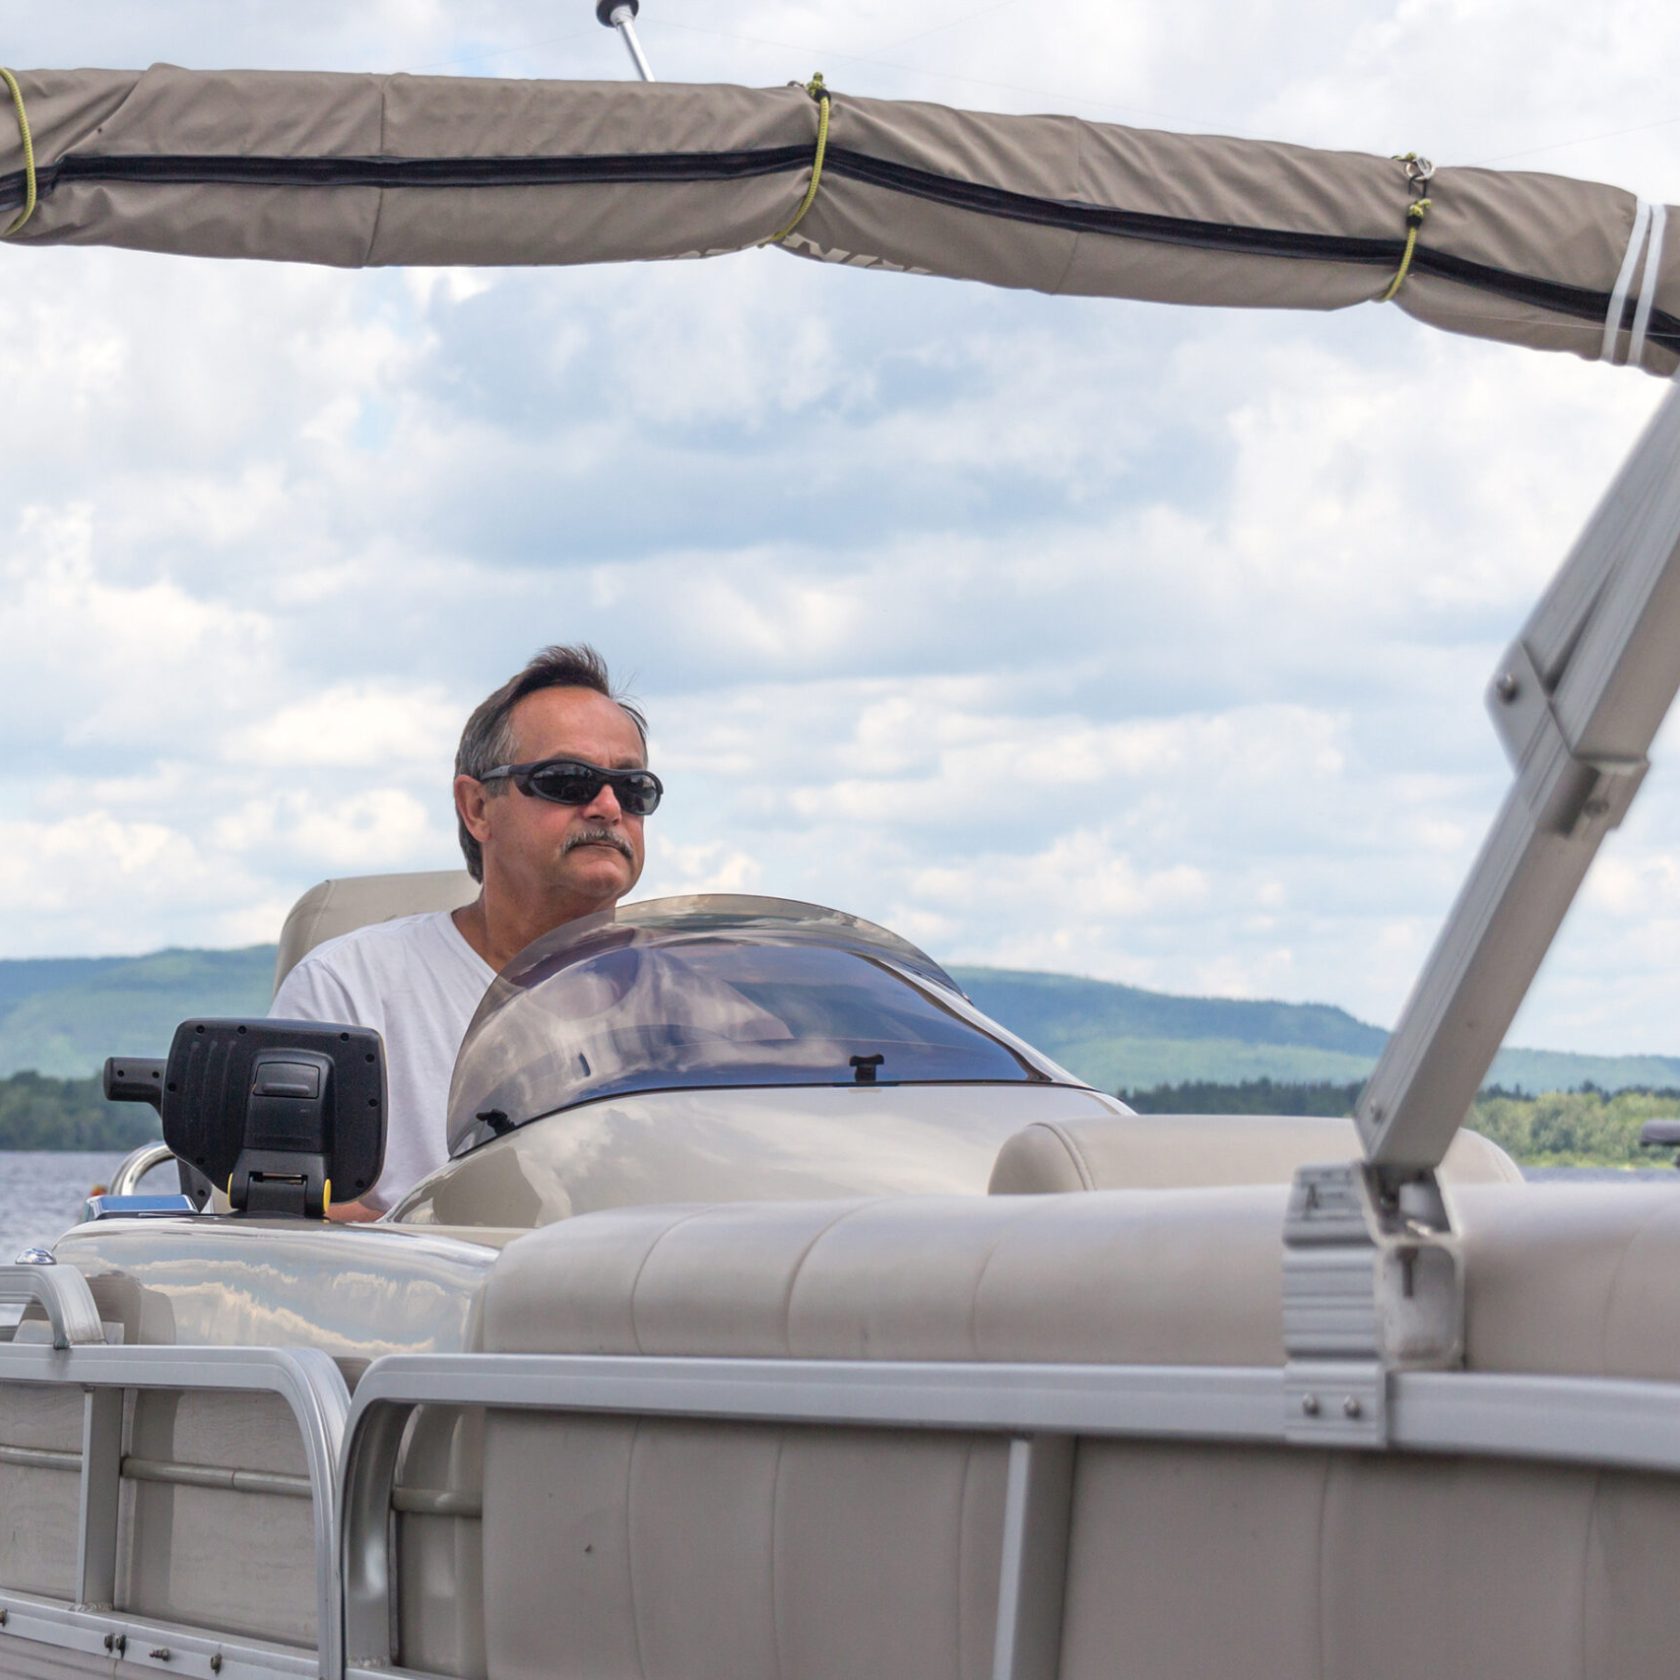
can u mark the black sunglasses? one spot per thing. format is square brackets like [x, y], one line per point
[569, 781]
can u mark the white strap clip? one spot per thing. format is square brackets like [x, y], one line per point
[1648, 219]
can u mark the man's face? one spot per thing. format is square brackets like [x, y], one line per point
[578, 857]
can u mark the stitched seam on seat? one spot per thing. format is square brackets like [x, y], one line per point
[799, 1266]
[1610, 1294]
[1081, 1165]
[636, 1282]
[1031, 1210]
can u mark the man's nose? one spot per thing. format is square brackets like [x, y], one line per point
[605, 805]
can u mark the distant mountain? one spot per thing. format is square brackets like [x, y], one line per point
[64, 1016]
[1122, 1037]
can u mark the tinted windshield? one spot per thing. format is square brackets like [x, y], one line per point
[689, 993]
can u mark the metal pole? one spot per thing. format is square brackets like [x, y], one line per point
[621, 15]
[1577, 698]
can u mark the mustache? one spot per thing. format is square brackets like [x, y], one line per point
[598, 837]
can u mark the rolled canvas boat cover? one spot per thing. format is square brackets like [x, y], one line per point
[355, 170]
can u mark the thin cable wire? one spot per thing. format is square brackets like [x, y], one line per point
[940, 28]
[1564, 145]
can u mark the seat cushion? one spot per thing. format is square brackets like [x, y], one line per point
[1560, 1279]
[1167, 1151]
[338, 906]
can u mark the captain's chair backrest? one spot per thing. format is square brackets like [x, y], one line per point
[330, 908]
[1180, 1151]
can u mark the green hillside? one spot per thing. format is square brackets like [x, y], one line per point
[1124, 1037]
[75, 1016]
[1050, 1009]
[63, 1016]
[25, 977]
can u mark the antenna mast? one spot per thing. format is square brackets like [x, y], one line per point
[621, 15]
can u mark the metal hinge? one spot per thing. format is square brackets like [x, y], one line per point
[1568, 792]
[1371, 1284]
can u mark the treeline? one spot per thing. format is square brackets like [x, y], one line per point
[1584, 1128]
[39, 1112]
[1253, 1096]
[1588, 1127]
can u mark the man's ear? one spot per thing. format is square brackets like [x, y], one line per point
[470, 803]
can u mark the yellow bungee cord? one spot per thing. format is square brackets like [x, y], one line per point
[28, 209]
[1418, 171]
[818, 92]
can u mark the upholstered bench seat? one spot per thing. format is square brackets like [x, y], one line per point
[765, 1551]
[1581, 1279]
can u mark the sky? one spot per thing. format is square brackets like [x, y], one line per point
[1100, 637]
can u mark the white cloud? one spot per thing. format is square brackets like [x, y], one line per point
[97, 883]
[1049, 631]
[354, 725]
[360, 833]
[710, 867]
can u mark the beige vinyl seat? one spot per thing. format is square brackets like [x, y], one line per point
[768, 1550]
[348, 902]
[1177, 1151]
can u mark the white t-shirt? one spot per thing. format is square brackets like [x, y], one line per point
[417, 981]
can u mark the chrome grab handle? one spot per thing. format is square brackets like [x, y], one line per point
[63, 1293]
[125, 1181]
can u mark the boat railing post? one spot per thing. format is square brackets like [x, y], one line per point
[621, 15]
[367, 1564]
[96, 1528]
[1037, 1509]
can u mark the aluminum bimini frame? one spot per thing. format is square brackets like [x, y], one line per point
[1577, 700]
[1372, 1275]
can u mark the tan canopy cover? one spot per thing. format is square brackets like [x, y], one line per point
[356, 170]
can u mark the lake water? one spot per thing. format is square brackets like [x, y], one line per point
[42, 1191]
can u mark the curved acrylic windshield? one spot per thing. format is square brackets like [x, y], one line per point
[686, 993]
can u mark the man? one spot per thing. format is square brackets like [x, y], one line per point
[551, 788]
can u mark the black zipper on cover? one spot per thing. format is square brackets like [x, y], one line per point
[1578, 302]
[409, 172]
[1581, 302]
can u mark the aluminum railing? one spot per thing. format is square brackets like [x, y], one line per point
[78, 1357]
[1042, 1410]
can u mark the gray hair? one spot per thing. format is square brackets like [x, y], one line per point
[487, 741]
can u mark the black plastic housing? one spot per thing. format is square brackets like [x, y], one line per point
[134, 1079]
[282, 1114]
